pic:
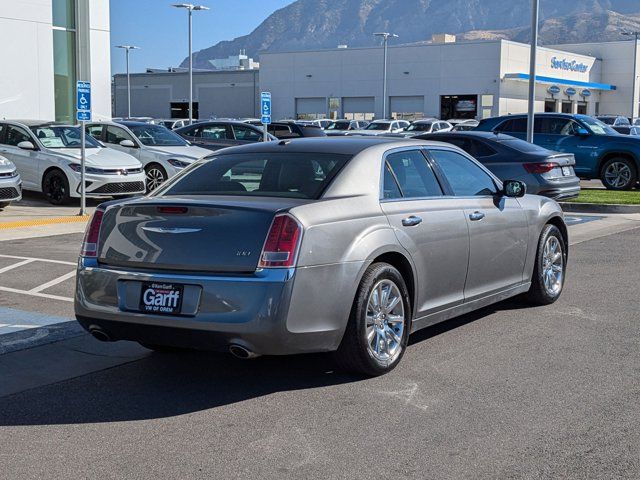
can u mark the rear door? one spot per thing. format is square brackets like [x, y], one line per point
[497, 225]
[26, 161]
[215, 136]
[429, 227]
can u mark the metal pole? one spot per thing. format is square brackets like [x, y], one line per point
[128, 87]
[83, 197]
[190, 72]
[634, 101]
[384, 79]
[264, 133]
[535, 7]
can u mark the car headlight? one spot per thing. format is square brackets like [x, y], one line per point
[78, 169]
[178, 163]
[4, 162]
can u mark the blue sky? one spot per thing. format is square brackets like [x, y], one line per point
[161, 30]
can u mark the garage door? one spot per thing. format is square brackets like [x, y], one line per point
[407, 108]
[311, 108]
[358, 108]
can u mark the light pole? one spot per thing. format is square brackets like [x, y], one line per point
[126, 49]
[634, 102]
[190, 7]
[535, 9]
[385, 39]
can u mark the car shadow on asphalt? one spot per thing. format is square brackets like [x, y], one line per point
[164, 385]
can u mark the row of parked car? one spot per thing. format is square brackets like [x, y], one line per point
[131, 157]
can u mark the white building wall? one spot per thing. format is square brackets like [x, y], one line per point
[26, 59]
[617, 69]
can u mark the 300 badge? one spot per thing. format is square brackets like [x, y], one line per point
[161, 298]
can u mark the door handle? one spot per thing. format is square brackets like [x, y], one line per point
[475, 216]
[411, 221]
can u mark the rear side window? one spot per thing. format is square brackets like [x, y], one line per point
[15, 135]
[464, 176]
[514, 125]
[412, 176]
[292, 175]
[480, 149]
[245, 133]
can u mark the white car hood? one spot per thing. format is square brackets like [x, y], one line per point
[98, 157]
[368, 132]
[188, 152]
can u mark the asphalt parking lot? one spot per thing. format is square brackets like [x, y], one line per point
[507, 392]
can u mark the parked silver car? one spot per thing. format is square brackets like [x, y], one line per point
[341, 245]
[10, 183]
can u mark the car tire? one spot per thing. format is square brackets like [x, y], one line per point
[156, 176]
[55, 187]
[549, 271]
[376, 335]
[619, 174]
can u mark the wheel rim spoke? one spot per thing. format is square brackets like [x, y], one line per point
[385, 322]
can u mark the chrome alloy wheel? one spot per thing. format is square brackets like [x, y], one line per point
[552, 266]
[385, 322]
[617, 174]
[155, 178]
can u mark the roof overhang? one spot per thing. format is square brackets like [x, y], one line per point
[561, 81]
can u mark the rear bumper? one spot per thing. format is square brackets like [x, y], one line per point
[270, 312]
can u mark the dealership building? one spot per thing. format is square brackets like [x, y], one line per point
[46, 46]
[442, 78]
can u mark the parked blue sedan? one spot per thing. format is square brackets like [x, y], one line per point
[600, 151]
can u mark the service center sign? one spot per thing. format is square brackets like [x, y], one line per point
[568, 65]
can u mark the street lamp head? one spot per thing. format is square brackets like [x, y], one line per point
[385, 35]
[189, 6]
[128, 47]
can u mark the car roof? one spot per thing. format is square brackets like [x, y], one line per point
[133, 123]
[473, 133]
[336, 145]
[33, 123]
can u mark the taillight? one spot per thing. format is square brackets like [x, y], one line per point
[282, 242]
[545, 167]
[90, 242]
[173, 210]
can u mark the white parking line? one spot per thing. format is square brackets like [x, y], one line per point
[16, 265]
[36, 294]
[53, 282]
[33, 259]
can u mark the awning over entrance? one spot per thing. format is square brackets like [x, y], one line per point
[561, 81]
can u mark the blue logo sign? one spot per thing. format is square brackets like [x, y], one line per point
[554, 90]
[585, 93]
[265, 107]
[570, 91]
[570, 66]
[83, 100]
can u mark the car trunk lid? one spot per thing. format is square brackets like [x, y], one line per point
[212, 235]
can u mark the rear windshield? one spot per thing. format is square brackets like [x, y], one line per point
[378, 126]
[521, 145]
[292, 175]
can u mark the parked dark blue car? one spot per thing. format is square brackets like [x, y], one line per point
[600, 151]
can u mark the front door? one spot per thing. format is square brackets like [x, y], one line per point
[498, 227]
[26, 161]
[433, 231]
[113, 135]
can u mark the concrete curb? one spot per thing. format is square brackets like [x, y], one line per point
[598, 208]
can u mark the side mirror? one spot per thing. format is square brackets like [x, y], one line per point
[26, 145]
[582, 132]
[514, 188]
[127, 143]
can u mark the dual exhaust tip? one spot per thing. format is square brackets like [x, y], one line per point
[236, 350]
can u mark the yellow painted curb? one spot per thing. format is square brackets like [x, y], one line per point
[43, 221]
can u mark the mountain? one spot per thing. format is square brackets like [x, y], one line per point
[313, 24]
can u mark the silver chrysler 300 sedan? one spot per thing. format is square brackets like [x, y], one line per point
[343, 245]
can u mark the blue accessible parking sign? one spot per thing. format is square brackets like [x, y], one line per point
[265, 108]
[83, 100]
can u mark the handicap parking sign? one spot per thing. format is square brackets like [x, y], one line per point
[265, 107]
[83, 100]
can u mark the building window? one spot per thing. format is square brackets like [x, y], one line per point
[550, 105]
[582, 108]
[458, 106]
[64, 59]
[181, 110]
[566, 106]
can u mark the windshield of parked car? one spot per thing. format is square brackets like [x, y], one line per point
[607, 120]
[339, 126]
[419, 127]
[597, 127]
[58, 136]
[157, 136]
[378, 126]
[292, 175]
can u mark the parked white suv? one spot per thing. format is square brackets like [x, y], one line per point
[47, 157]
[162, 152]
[381, 127]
